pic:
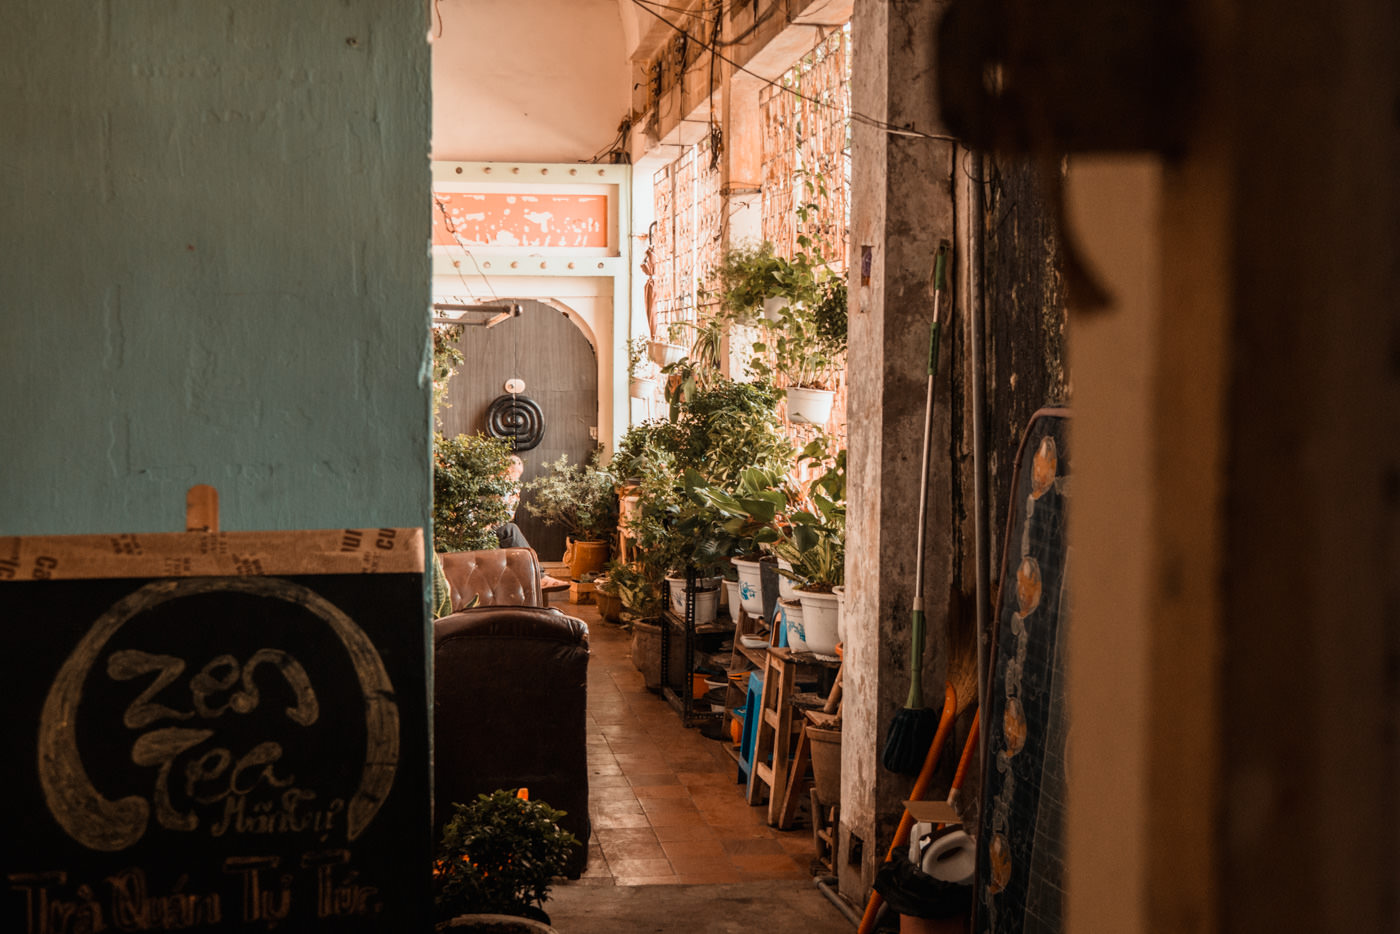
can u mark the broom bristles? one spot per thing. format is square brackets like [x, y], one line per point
[911, 734]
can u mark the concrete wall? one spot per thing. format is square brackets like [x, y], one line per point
[213, 264]
[546, 81]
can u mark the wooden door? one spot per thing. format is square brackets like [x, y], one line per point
[559, 367]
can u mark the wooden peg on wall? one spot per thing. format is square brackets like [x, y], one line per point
[202, 509]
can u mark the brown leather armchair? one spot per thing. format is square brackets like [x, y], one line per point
[499, 576]
[510, 690]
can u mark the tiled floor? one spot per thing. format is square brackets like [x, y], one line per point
[666, 804]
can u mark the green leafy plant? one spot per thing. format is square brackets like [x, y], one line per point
[639, 591]
[813, 541]
[641, 444]
[470, 491]
[499, 855]
[748, 274]
[801, 347]
[730, 426]
[636, 357]
[446, 358]
[750, 515]
[581, 498]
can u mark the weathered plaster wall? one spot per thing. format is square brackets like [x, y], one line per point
[902, 206]
[213, 224]
[550, 86]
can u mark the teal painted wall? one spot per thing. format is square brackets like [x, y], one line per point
[214, 263]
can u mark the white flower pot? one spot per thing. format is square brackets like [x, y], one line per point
[787, 590]
[819, 621]
[731, 598]
[809, 406]
[750, 586]
[705, 596]
[642, 387]
[663, 353]
[773, 306]
[792, 623]
[840, 591]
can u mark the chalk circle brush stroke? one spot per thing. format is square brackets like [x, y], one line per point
[112, 826]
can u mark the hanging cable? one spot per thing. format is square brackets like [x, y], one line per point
[863, 119]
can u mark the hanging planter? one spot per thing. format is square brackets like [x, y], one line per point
[664, 353]
[642, 387]
[773, 307]
[809, 406]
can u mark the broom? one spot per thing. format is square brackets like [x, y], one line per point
[911, 731]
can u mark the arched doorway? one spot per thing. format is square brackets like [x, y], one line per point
[546, 350]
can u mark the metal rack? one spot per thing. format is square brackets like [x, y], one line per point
[679, 638]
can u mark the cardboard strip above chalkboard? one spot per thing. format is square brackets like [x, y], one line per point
[212, 554]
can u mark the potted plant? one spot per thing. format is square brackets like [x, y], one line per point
[749, 517]
[814, 547]
[582, 499]
[804, 347]
[641, 384]
[639, 591]
[470, 490]
[499, 855]
[670, 349]
[755, 282]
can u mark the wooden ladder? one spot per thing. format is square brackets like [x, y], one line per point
[774, 733]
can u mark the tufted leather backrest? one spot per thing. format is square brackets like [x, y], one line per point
[510, 698]
[498, 576]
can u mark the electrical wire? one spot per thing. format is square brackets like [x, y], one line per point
[462, 245]
[864, 119]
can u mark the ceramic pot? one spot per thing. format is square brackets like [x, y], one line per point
[732, 599]
[663, 353]
[840, 591]
[750, 585]
[819, 621]
[705, 597]
[809, 406]
[642, 387]
[586, 558]
[646, 652]
[792, 625]
[787, 590]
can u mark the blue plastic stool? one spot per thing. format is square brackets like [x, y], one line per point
[752, 701]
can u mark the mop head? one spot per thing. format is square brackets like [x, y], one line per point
[911, 734]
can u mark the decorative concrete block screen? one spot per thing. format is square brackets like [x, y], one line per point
[806, 151]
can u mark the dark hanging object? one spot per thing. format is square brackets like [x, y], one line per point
[1050, 77]
[518, 418]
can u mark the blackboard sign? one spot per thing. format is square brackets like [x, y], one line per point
[215, 732]
[1020, 846]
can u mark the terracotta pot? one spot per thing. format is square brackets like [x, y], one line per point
[586, 558]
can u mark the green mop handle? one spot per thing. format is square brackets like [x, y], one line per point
[916, 640]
